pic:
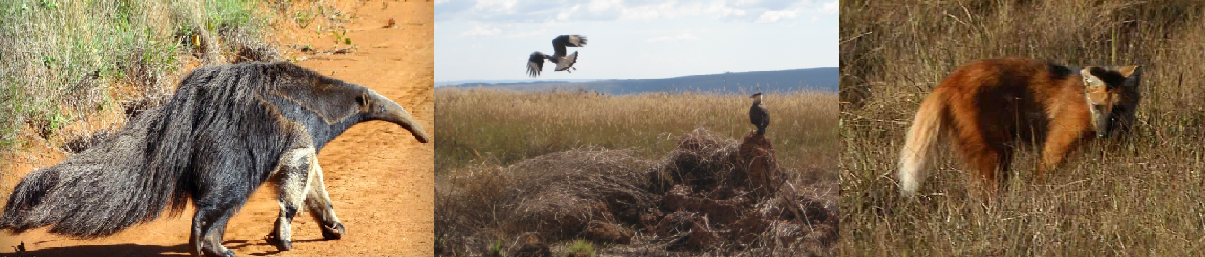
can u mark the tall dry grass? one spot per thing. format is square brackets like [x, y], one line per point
[502, 127]
[1137, 196]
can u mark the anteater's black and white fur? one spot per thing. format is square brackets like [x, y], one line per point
[227, 130]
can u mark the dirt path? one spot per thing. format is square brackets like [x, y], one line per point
[379, 178]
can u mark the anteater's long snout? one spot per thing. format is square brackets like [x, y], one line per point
[394, 113]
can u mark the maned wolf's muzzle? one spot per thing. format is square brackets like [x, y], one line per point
[1102, 119]
[1103, 126]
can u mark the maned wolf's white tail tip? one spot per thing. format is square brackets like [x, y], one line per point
[914, 158]
[919, 143]
[908, 178]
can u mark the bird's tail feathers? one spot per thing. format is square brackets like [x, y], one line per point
[566, 62]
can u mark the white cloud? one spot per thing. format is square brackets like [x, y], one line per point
[503, 11]
[597, 6]
[659, 11]
[568, 13]
[640, 13]
[503, 6]
[480, 31]
[719, 9]
[683, 36]
[774, 16]
[831, 8]
[542, 31]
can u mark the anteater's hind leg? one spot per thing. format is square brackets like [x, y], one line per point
[198, 243]
[319, 204]
[221, 192]
[294, 181]
[213, 212]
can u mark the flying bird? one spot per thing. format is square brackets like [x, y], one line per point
[561, 58]
[758, 114]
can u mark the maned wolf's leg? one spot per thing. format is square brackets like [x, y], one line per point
[294, 178]
[1003, 164]
[319, 204]
[1059, 141]
[980, 157]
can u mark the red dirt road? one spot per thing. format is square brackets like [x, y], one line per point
[379, 177]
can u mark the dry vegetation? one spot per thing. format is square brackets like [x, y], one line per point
[70, 68]
[64, 60]
[503, 127]
[512, 166]
[1136, 196]
[74, 70]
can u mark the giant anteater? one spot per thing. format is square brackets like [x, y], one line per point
[226, 131]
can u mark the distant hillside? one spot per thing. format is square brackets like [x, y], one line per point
[820, 79]
[474, 82]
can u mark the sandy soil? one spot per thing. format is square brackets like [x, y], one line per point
[379, 178]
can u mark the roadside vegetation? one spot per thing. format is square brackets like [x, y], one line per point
[65, 62]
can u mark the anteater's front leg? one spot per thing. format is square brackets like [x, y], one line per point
[294, 175]
[319, 205]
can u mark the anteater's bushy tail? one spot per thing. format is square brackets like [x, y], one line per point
[128, 180]
[921, 142]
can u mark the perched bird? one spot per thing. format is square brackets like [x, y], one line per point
[563, 62]
[758, 114]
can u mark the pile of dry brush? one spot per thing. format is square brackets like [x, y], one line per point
[710, 195]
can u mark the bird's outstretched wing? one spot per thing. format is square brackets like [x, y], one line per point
[564, 63]
[559, 43]
[535, 64]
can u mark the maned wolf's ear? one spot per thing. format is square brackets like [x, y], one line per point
[1090, 79]
[1132, 73]
[1097, 71]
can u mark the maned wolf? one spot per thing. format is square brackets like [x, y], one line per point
[227, 130]
[989, 105]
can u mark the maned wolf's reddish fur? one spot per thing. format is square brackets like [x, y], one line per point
[989, 106]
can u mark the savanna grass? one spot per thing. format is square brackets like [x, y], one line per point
[502, 127]
[1140, 195]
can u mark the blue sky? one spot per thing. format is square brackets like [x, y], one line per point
[491, 39]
